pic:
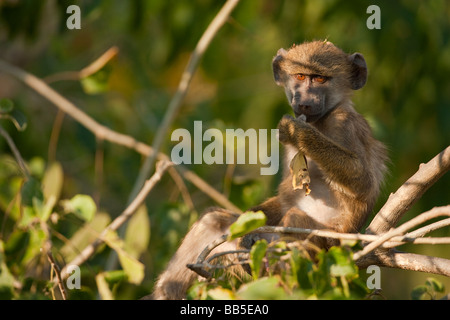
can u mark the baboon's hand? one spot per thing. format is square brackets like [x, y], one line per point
[289, 129]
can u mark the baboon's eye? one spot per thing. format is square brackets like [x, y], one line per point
[320, 79]
[300, 77]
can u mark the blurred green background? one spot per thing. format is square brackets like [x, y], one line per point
[406, 100]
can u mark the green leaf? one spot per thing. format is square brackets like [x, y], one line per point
[103, 287]
[53, 181]
[257, 254]
[31, 189]
[302, 269]
[81, 205]
[85, 235]
[420, 293]
[435, 285]
[6, 105]
[341, 263]
[132, 267]
[17, 244]
[263, 289]
[37, 167]
[137, 235]
[6, 278]
[115, 276]
[97, 82]
[246, 222]
[221, 294]
[32, 202]
[37, 238]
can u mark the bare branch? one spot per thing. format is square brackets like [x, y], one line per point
[433, 213]
[427, 229]
[87, 71]
[406, 261]
[394, 241]
[47, 249]
[58, 274]
[400, 202]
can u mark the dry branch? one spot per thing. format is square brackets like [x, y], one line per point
[47, 250]
[433, 213]
[92, 68]
[415, 262]
[400, 201]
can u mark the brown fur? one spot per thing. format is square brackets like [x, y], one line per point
[346, 164]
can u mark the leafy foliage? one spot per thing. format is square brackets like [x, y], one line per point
[291, 274]
[286, 270]
[36, 208]
[246, 223]
[428, 291]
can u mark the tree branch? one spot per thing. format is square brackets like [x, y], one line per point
[433, 213]
[406, 261]
[87, 71]
[400, 202]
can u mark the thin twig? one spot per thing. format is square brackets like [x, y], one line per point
[58, 275]
[431, 214]
[47, 248]
[15, 152]
[54, 136]
[87, 252]
[182, 188]
[429, 228]
[87, 71]
[394, 241]
[98, 169]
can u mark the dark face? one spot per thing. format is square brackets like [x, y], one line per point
[317, 76]
[308, 94]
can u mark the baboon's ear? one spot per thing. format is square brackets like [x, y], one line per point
[359, 71]
[278, 74]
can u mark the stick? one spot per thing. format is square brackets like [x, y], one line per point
[58, 274]
[431, 214]
[400, 202]
[87, 71]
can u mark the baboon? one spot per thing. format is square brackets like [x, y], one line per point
[346, 163]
